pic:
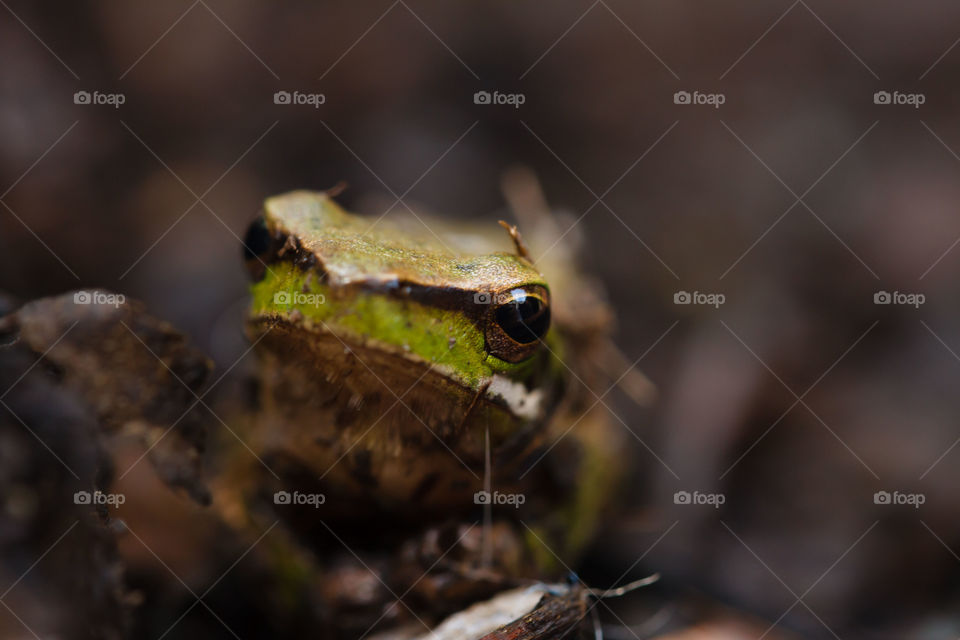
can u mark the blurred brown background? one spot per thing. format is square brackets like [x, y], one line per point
[797, 399]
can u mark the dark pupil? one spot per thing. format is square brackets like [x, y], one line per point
[525, 319]
[257, 241]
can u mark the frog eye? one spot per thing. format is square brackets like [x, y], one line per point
[257, 241]
[519, 320]
[256, 245]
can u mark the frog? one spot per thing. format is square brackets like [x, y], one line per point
[424, 425]
[419, 374]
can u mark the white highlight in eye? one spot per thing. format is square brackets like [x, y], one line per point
[523, 403]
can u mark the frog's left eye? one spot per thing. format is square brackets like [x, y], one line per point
[519, 320]
[256, 245]
[257, 240]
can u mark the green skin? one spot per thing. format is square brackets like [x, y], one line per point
[401, 306]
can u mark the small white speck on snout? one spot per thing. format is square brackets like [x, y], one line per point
[522, 402]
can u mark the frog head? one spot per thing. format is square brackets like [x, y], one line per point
[385, 344]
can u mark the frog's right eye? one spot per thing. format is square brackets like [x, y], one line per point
[518, 323]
